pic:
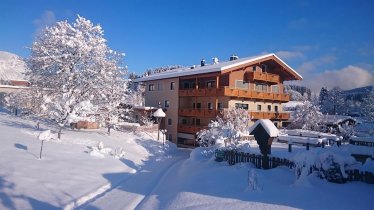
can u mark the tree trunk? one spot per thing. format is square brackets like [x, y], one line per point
[41, 150]
[59, 133]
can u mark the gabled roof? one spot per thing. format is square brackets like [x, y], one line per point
[267, 125]
[185, 71]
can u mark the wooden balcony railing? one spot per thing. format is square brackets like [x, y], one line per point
[193, 129]
[198, 112]
[235, 92]
[270, 115]
[262, 76]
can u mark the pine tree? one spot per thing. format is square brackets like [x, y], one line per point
[368, 106]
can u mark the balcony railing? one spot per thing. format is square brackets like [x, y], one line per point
[235, 92]
[262, 76]
[193, 129]
[198, 112]
[270, 115]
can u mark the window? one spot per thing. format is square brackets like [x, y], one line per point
[258, 107]
[253, 68]
[172, 85]
[219, 105]
[275, 88]
[198, 105]
[276, 108]
[159, 86]
[261, 87]
[167, 103]
[170, 138]
[269, 108]
[169, 121]
[151, 87]
[264, 67]
[210, 105]
[184, 121]
[241, 84]
[193, 105]
[210, 84]
[197, 121]
[241, 106]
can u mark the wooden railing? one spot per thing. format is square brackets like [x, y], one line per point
[198, 112]
[262, 76]
[235, 92]
[190, 128]
[270, 115]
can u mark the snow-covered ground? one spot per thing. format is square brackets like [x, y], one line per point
[149, 177]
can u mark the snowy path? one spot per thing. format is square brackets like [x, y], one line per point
[134, 190]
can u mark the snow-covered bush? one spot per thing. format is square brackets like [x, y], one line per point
[327, 165]
[306, 116]
[226, 131]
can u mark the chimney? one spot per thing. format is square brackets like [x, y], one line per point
[234, 57]
[215, 60]
[202, 62]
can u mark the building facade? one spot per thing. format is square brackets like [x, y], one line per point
[192, 97]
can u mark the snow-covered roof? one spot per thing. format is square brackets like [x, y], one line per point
[267, 125]
[184, 71]
[292, 104]
[336, 118]
[12, 67]
[159, 113]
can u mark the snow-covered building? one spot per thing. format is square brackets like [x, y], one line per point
[192, 97]
[12, 78]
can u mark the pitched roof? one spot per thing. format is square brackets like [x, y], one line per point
[267, 125]
[216, 67]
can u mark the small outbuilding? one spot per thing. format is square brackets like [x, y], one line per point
[264, 131]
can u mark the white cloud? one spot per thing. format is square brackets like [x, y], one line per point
[346, 78]
[306, 68]
[46, 19]
[289, 55]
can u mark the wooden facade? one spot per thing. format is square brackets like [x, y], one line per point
[200, 97]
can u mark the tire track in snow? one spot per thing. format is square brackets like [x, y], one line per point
[131, 192]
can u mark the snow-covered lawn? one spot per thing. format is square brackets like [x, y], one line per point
[67, 172]
[150, 177]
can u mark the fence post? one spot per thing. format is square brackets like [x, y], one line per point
[289, 147]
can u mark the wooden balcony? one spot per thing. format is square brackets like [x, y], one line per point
[261, 76]
[192, 129]
[235, 92]
[212, 113]
[270, 115]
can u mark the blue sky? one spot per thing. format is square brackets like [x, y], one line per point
[328, 42]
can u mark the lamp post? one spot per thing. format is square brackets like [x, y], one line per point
[159, 114]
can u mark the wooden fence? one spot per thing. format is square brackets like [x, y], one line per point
[268, 162]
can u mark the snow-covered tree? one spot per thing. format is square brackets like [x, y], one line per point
[332, 102]
[367, 107]
[227, 129]
[306, 116]
[72, 64]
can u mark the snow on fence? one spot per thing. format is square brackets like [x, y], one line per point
[268, 162]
